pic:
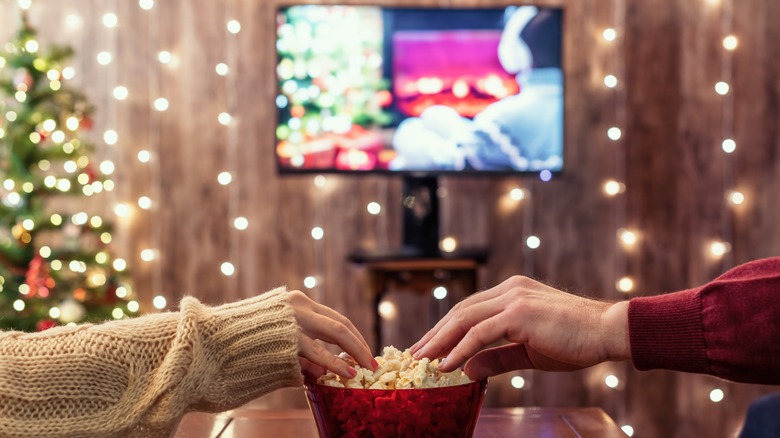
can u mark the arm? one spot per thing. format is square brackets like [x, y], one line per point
[728, 328]
[137, 377]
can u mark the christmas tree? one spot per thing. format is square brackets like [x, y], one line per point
[55, 266]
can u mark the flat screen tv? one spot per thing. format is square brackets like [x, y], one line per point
[433, 91]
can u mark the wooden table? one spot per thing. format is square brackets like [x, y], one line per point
[492, 423]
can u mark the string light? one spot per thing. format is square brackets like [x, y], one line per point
[627, 429]
[146, 4]
[387, 310]
[625, 284]
[317, 233]
[164, 57]
[228, 269]
[717, 395]
[533, 242]
[159, 302]
[120, 92]
[224, 178]
[110, 20]
[729, 146]
[448, 244]
[517, 194]
[104, 58]
[517, 382]
[735, 197]
[241, 223]
[374, 208]
[161, 104]
[722, 88]
[144, 156]
[440, 292]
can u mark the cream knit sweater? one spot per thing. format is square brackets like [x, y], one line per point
[137, 377]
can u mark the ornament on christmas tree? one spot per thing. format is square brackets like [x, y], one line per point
[48, 257]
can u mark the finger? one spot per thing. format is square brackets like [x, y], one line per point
[462, 306]
[459, 325]
[478, 337]
[498, 360]
[332, 331]
[332, 314]
[317, 355]
[311, 370]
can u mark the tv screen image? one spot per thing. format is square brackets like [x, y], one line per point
[419, 90]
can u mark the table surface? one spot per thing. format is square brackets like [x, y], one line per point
[530, 422]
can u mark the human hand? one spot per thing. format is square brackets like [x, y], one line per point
[547, 329]
[323, 323]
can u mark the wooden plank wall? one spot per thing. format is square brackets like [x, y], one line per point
[675, 173]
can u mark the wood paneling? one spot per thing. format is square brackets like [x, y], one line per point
[675, 174]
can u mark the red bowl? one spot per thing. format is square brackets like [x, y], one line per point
[450, 411]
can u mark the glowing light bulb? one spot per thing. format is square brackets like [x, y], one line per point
[24, 4]
[161, 104]
[133, 306]
[440, 292]
[159, 302]
[68, 72]
[110, 20]
[122, 210]
[730, 42]
[609, 34]
[241, 223]
[612, 187]
[146, 4]
[533, 242]
[148, 254]
[736, 198]
[103, 58]
[374, 208]
[164, 57]
[145, 202]
[625, 285]
[120, 93]
[448, 244]
[517, 194]
[227, 269]
[628, 237]
[317, 233]
[614, 133]
[387, 310]
[610, 81]
[320, 181]
[224, 118]
[310, 282]
[627, 429]
[611, 381]
[729, 145]
[31, 46]
[222, 69]
[716, 395]
[110, 137]
[107, 167]
[19, 305]
[119, 264]
[517, 382]
[224, 178]
[719, 249]
[233, 26]
[722, 88]
[144, 156]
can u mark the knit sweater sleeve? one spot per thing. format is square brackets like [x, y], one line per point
[728, 328]
[137, 377]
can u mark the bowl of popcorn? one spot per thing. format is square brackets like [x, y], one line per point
[404, 397]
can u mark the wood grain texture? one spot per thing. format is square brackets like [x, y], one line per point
[675, 173]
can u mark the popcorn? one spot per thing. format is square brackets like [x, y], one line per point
[397, 370]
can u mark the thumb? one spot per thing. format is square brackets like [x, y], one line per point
[498, 360]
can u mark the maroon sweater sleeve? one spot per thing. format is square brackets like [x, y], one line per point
[728, 328]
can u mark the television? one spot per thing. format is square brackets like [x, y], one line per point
[419, 92]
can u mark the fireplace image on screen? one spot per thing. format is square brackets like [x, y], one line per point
[368, 89]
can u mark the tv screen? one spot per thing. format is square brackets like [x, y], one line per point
[419, 90]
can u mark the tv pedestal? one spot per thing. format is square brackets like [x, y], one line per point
[418, 272]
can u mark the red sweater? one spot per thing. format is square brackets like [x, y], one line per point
[728, 328]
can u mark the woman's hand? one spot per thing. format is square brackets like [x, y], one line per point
[323, 323]
[547, 329]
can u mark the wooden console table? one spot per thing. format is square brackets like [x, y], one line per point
[417, 273]
[493, 423]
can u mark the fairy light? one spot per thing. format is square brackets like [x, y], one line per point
[611, 381]
[440, 292]
[161, 104]
[144, 156]
[159, 302]
[717, 395]
[146, 4]
[517, 382]
[387, 310]
[374, 208]
[222, 69]
[533, 242]
[735, 197]
[227, 269]
[448, 244]
[145, 203]
[627, 429]
[224, 178]
[120, 92]
[110, 20]
[310, 282]
[164, 57]
[104, 58]
[110, 137]
[625, 284]
[517, 194]
[241, 223]
[729, 146]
